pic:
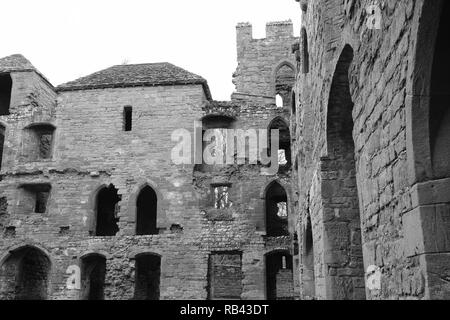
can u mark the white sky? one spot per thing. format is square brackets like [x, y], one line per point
[67, 39]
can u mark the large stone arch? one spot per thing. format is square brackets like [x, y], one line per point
[342, 241]
[26, 273]
[427, 224]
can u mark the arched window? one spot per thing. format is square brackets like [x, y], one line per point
[308, 277]
[279, 101]
[341, 159]
[305, 51]
[107, 210]
[25, 275]
[146, 212]
[293, 103]
[284, 82]
[276, 206]
[93, 273]
[440, 100]
[279, 276]
[284, 143]
[5, 93]
[147, 277]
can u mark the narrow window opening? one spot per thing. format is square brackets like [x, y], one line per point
[5, 94]
[2, 144]
[128, 118]
[305, 52]
[293, 103]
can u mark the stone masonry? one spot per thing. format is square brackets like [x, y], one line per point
[372, 143]
[93, 207]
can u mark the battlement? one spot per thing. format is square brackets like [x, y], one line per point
[275, 29]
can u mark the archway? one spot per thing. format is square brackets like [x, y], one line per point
[25, 274]
[276, 207]
[343, 247]
[146, 212]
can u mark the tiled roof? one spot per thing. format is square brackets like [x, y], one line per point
[136, 75]
[15, 62]
[18, 63]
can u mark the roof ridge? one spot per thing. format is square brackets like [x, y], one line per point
[133, 75]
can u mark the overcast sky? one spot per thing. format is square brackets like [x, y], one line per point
[67, 39]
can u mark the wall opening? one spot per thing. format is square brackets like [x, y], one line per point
[146, 219]
[305, 51]
[25, 275]
[279, 276]
[127, 118]
[284, 143]
[38, 142]
[107, 211]
[279, 101]
[284, 82]
[343, 249]
[308, 276]
[5, 93]
[93, 273]
[2, 143]
[440, 99]
[148, 274]
[276, 205]
[221, 194]
[218, 123]
[33, 198]
[293, 103]
[225, 276]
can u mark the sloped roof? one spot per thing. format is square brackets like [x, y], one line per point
[136, 75]
[15, 62]
[18, 63]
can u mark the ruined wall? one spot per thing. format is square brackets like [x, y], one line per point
[385, 67]
[90, 150]
[260, 59]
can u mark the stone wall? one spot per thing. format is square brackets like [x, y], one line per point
[387, 68]
[91, 150]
